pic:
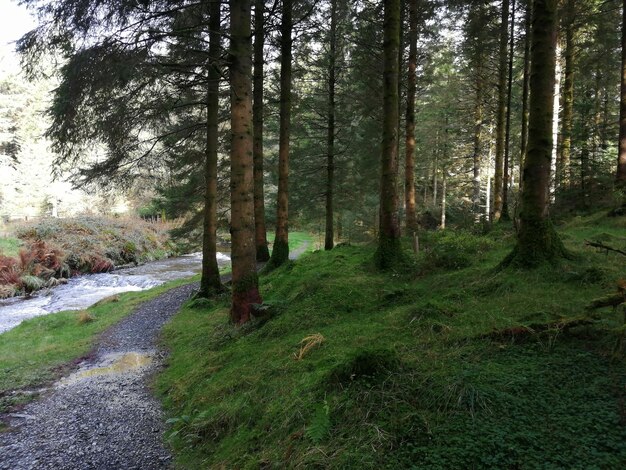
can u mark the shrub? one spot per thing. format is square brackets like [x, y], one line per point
[454, 250]
[9, 271]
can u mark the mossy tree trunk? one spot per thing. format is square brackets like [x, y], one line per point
[329, 239]
[245, 291]
[537, 241]
[210, 282]
[620, 176]
[409, 168]
[262, 251]
[501, 114]
[389, 251]
[280, 250]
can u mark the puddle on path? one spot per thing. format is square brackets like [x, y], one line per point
[118, 363]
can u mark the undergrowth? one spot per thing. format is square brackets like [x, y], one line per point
[361, 369]
[54, 249]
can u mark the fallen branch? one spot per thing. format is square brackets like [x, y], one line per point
[604, 247]
[613, 300]
[527, 330]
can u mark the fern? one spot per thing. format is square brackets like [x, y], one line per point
[319, 428]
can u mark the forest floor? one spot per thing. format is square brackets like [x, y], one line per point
[446, 363]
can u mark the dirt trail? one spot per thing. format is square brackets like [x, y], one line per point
[103, 416]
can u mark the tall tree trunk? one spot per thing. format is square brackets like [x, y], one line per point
[389, 249]
[537, 242]
[210, 282]
[620, 176]
[435, 171]
[501, 114]
[280, 250]
[476, 160]
[330, 142]
[262, 252]
[584, 155]
[563, 163]
[244, 275]
[507, 137]
[556, 107]
[525, 90]
[442, 226]
[409, 171]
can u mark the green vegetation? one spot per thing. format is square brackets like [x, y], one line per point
[86, 241]
[60, 248]
[449, 364]
[9, 246]
[38, 350]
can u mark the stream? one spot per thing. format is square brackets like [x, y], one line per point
[82, 291]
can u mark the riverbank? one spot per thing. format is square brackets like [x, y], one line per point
[51, 250]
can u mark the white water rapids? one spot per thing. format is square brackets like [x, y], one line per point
[82, 291]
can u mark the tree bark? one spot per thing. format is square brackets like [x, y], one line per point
[525, 90]
[210, 281]
[245, 291]
[409, 171]
[329, 240]
[563, 168]
[389, 249]
[620, 176]
[537, 242]
[262, 251]
[442, 226]
[501, 114]
[280, 250]
[507, 136]
[476, 152]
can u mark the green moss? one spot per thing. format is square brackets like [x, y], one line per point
[537, 244]
[280, 254]
[407, 374]
[262, 253]
[389, 254]
[246, 283]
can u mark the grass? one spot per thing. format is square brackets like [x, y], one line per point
[403, 369]
[10, 246]
[36, 352]
[296, 239]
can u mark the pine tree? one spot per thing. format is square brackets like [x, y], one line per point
[537, 241]
[245, 290]
[389, 250]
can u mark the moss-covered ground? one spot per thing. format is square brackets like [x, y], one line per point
[447, 364]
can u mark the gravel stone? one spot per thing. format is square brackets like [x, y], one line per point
[103, 416]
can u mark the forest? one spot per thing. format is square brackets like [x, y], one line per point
[462, 166]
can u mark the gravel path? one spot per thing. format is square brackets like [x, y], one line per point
[102, 416]
[295, 254]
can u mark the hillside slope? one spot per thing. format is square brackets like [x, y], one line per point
[447, 365]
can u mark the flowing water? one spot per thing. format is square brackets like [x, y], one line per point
[82, 291]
